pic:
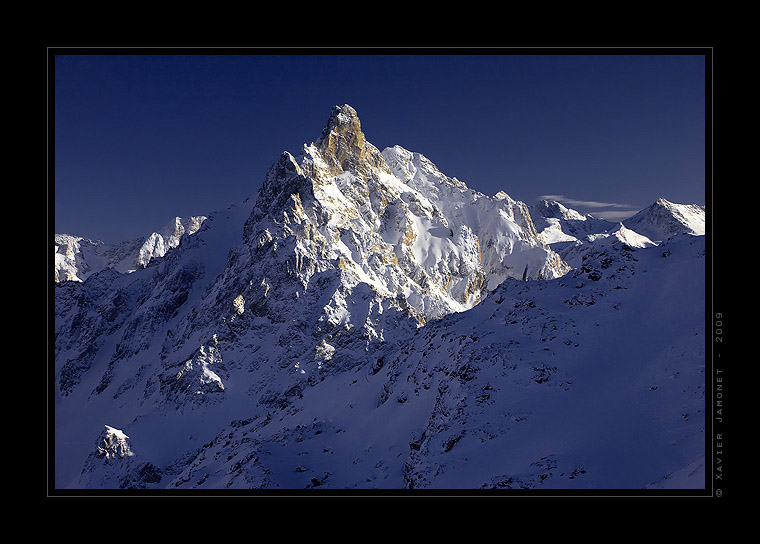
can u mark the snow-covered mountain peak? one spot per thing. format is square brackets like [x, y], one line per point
[560, 226]
[63, 239]
[553, 209]
[418, 171]
[393, 220]
[618, 239]
[664, 219]
[624, 235]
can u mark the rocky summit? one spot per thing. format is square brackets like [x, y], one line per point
[366, 321]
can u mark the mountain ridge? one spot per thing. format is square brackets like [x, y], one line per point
[76, 257]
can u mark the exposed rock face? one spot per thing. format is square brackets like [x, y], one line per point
[343, 147]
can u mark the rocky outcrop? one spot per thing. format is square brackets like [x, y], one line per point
[113, 464]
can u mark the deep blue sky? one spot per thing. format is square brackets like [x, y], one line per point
[141, 139]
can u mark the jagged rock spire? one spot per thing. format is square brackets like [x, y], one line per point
[342, 144]
[343, 120]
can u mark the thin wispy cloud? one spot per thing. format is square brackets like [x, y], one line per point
[586, 203]
[614, 216]
[611, 211]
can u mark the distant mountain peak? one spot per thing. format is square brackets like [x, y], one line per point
[630, 237]
[664, 219]
[554, 209]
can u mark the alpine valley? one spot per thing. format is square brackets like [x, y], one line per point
[366, 322]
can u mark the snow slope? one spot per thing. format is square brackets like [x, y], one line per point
[568, 383]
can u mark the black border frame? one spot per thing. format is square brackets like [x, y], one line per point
[714, 350]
